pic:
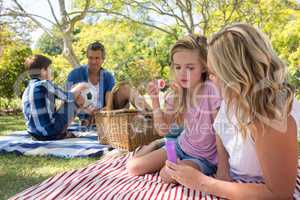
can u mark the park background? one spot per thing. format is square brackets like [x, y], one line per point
[137, 35]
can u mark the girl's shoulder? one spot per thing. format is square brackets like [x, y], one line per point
[209, 88]
[210, 94]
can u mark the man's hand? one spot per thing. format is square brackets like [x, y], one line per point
[91, 110]
[76, 90]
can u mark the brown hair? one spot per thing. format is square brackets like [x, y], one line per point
[35, 63]
[96, 46]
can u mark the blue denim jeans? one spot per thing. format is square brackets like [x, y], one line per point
[203, 164]
[63, 117]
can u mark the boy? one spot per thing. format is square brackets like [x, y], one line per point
[43, 120]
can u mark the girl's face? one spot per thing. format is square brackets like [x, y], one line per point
[188, 68]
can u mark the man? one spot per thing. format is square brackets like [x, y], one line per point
[100, 80]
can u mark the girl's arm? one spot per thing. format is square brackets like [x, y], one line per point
[162, 120]
[223, 164]
[277, 155]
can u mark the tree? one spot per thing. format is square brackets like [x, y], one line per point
[65, 24]
[49, 45]
[204, 16]
[12, 69]
[137, 53]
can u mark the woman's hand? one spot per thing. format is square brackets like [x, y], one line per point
[186, 175]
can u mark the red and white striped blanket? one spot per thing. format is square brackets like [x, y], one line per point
[108, 179]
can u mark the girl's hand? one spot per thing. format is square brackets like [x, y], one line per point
[186, 175]
[153, 89]
[176, 87]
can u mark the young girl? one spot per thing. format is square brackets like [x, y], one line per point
[193, 101]
[256, 131]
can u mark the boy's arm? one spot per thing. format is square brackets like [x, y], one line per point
[58, 92]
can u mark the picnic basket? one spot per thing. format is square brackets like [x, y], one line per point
[125, 129]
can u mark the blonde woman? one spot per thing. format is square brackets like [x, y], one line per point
[192, 102]
[255, 129]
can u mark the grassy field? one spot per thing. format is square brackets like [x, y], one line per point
[20, 172]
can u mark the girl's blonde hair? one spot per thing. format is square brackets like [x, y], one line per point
[192, 43]
[253, 78]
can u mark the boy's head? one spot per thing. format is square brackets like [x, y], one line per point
[38, 67]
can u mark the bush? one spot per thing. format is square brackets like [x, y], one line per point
[12, 71]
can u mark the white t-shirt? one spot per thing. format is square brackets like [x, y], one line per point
[243, 161]
[95, 92]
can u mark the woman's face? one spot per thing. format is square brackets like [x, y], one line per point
[188, 68]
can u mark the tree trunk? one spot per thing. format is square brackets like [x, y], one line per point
[68, 51]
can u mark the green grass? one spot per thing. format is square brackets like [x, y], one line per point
[11, 123]
[20, 172]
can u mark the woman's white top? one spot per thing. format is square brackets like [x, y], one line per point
[243, 161]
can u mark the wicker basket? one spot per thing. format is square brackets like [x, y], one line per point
[125, 129]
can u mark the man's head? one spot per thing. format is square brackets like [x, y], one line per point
[95, 55]
[38, 66]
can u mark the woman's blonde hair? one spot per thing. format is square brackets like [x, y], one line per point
[192, 43]
[253, 78]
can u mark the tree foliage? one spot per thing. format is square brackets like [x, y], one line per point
[136, 53]
[12, 70]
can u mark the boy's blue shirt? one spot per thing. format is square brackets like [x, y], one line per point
[39, 105]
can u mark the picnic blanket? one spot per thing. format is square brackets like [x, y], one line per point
[85, 145]
[108, 179]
